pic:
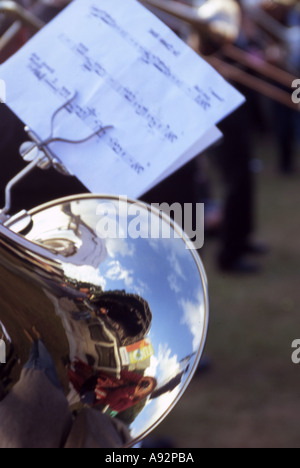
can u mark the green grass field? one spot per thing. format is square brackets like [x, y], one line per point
[251, 395]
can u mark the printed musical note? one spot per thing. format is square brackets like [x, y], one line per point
[40, 71]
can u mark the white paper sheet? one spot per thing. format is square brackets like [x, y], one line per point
[212, 136]
[130, 71]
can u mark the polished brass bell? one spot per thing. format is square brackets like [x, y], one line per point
[124, 319]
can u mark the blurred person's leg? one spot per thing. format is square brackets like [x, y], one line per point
[235, 155]
[284, 133]
[204, 189]
[297, 139]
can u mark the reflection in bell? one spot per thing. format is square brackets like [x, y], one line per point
[114, 328]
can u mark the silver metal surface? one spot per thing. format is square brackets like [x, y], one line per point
[106, 306]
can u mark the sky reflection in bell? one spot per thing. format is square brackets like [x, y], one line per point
[160, 271]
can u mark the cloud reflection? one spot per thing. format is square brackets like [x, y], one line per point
[193, 317]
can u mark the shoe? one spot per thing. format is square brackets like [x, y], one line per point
[241, 267]
[257, 248]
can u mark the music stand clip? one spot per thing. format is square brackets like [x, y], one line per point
[38, 154]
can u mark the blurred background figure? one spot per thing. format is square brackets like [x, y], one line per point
[234, 157]
[286, 122]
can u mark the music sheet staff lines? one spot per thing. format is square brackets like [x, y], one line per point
[87, 114]
[200, 97]
[158, 101]
[130, 96]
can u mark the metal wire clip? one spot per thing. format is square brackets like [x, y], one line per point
[38, 154]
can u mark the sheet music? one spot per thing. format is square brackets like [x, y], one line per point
[130, 71]
[212, 136]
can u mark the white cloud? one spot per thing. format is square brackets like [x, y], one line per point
[116, 272]
[193, 317]
[121, 247]
[175, 264]
[140, 287]
[176, 277]
[164, 366]
[85, 274]
[174, 283]
[154, 411]
[154, 244]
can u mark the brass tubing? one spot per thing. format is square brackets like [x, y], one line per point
[10, 34]
[263, 67]
[233, 73]
[15, 11]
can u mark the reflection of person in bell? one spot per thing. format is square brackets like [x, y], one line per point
[113, 394]
[127, 315]
[108, 331]
[36, 414]
[132, 388]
